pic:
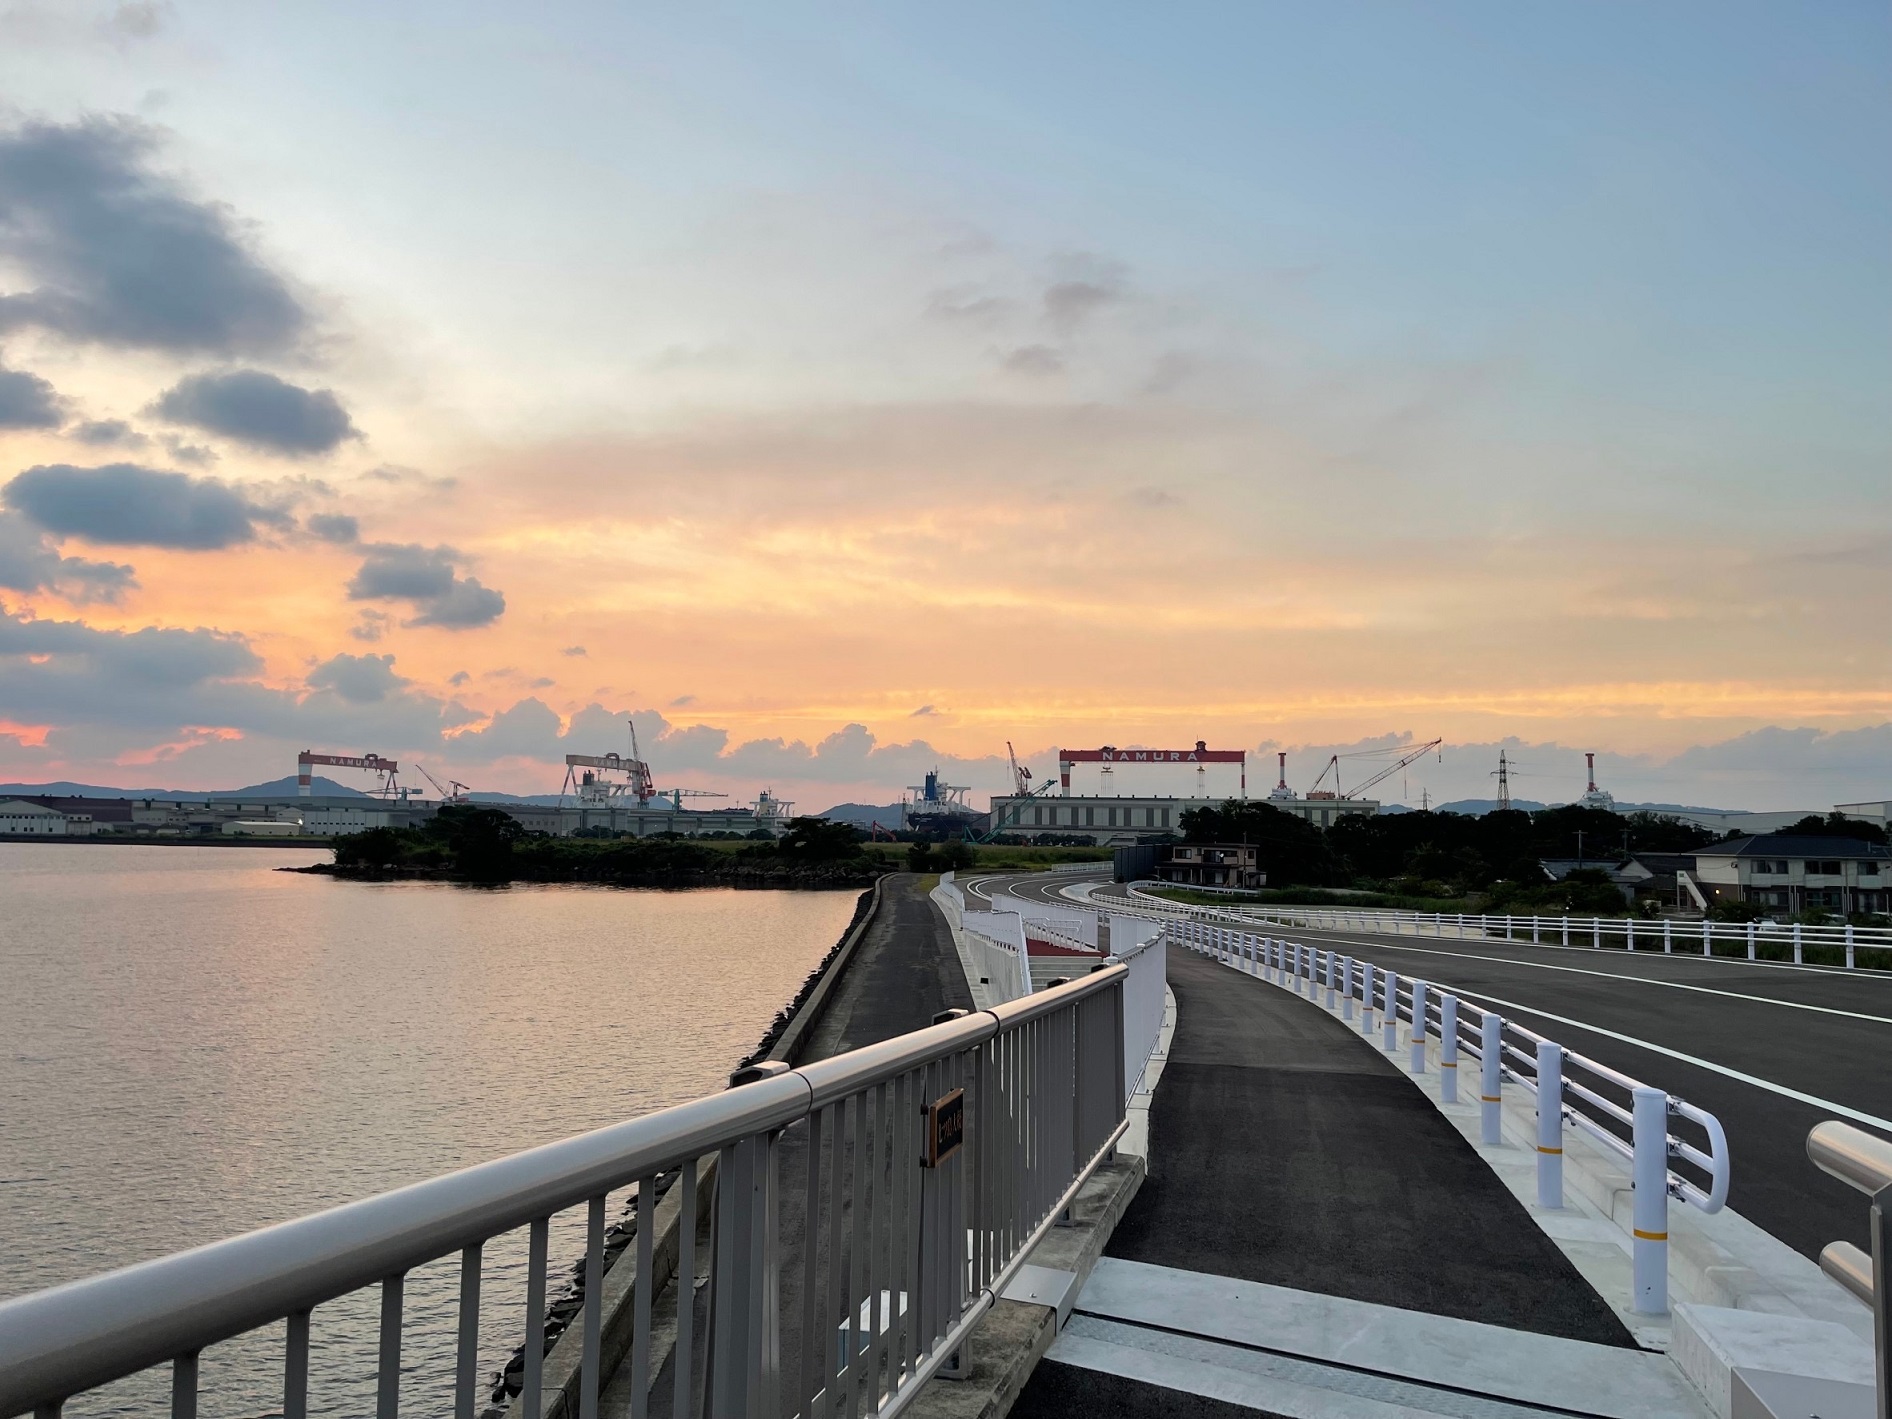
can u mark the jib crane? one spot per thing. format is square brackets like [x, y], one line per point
[1333, 767]
[1009, 817]
[453, 792]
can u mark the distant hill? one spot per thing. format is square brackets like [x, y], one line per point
[864, 815]
[276, 788]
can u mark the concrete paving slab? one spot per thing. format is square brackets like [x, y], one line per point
[1545, 1371]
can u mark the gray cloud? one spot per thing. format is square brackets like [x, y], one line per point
[140, 19]
[29, 562]
[359, 679]
[155, 657]
[108, 433]
[28, 402]
[126, 505]
[1034, 360]
[964, 304]
[1068, 302]
[117, 253]
[1089, 283]
[192, 453]
[852, 754]
[259, 410]
[573, 650]
[923, 712]
[426, 577]
[334, 527]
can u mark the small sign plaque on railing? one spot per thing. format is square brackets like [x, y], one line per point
[945, 1128]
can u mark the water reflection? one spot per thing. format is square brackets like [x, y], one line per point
[198, 1044]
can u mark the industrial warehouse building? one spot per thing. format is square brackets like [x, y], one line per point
[22, 819]
[1087, 802]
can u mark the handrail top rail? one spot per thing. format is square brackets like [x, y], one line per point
[59, 1341]
[1860, 1159]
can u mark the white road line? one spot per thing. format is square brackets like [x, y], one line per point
[1612, 975]
[1857, 1115]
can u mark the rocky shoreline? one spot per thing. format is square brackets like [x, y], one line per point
[819, 877]
[563, 1309]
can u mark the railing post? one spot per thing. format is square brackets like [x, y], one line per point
[1550, 1124]
[1448, 1048]
[1491, 1079]
[1596, 927]
[1668, 937]
[1566, 922]
[1650, 1207]
[1629, 933]
[1797, 959]
[1753, 933]
[1330, 979]
[1346, 991]
[1534, 920]
[1418, 1063]
[1707, 937]
[1849, 946]
[1300, 966]
[1389, 1019]
[1366, 997]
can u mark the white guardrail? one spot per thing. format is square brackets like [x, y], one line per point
[1752, 940]
[1636, 1124]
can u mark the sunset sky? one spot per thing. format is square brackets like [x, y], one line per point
[849, 389]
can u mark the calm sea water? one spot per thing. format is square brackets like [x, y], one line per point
[195, 1044]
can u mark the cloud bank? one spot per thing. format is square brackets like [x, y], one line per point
[260, 411]
[128, 505]
[117, 253]
[28, 402]
[426, 578]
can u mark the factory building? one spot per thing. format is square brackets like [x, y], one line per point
[20, 818]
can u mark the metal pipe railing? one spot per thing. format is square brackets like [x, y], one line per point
[1838, 945]
[1864, 1161]
[1569, 1087]
[1013, 1107]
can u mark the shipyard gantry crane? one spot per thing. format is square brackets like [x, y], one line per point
[385, 769]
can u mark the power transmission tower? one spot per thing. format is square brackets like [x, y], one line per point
[1504, 783]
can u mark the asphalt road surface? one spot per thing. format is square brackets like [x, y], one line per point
[1770, 1049]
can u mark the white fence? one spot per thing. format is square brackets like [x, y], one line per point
[1851, 946]
[1144, 948]
[997, 940]
[1626, 1116]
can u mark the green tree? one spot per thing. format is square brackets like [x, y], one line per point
[1289, 848]
[377, 848]
[479, 841]
[819, 840]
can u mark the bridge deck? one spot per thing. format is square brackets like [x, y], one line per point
[1285, 1149]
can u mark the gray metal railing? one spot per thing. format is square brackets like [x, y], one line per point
[1864, 1161]
[1853, 947]
[866, 1211]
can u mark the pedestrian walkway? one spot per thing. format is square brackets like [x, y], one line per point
[1289, 1156]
